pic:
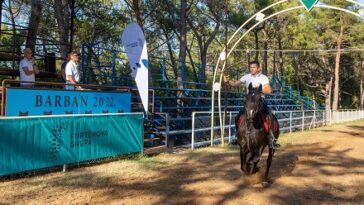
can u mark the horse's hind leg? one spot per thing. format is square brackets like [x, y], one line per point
[243, 161]
[269, 163]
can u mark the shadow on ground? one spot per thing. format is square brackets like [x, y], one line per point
[200, 174]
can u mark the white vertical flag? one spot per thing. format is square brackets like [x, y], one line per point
[136, 49]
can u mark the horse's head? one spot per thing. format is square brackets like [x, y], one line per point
[254, 102]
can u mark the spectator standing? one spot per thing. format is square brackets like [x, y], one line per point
[72, 73]
[28, 69]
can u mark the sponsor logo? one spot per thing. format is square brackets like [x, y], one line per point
[80, 139]
[56, 142]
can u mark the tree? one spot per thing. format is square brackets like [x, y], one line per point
[34, 20]
[63, 16]
[204, 21]
[337, 65]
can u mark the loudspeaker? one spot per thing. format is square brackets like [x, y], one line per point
[50, 62]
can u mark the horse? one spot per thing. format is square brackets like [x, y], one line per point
[253, 127]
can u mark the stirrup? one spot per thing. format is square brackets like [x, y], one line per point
[275, 145]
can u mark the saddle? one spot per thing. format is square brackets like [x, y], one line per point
[266, 120]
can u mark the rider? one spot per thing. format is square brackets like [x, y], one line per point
[256, 78]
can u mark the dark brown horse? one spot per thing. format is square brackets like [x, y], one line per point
[253, 127]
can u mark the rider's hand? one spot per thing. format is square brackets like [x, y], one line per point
[226, 78]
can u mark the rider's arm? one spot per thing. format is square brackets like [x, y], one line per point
[233, 83]
[267, 89]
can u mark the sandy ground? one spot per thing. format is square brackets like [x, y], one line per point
[324, 166]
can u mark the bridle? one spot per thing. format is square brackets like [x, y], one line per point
[258, 107]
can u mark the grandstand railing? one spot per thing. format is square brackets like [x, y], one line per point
[306, 102]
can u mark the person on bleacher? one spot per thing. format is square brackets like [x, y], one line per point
[256, 78]
[72, 73]
[28, 69]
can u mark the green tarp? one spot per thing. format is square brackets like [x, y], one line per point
[39, 142]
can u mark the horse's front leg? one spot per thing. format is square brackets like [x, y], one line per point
[243, 160]
[269, 163]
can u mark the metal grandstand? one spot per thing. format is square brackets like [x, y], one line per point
[172, 115]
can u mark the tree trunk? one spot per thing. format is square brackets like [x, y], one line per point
[328, 86]
[183, 43]
[34, 20]
[182, 56]
[274, 70]
[296, 66]
[280, 57]
[13, 28]
[361, 85]
[1, 14]
[327, 94]
[203, 67]
[248, 57]
[63, 16]
[192, 64]
[72, 26]
[265, 53]
[256, 44]
[170, 50]
[137, 13]
[337, 67]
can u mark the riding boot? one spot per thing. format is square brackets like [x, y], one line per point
[273, 141]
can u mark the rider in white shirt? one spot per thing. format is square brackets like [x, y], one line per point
[256, 78]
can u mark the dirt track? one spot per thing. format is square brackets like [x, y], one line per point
[324, 166]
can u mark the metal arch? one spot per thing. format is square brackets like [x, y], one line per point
[227, 55]
[238, 41]
[218, 62]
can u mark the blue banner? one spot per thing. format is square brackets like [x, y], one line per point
[31, 102]
[29, 143]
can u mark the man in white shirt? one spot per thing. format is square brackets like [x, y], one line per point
[28, 69]
[72, 73]
[256, 78]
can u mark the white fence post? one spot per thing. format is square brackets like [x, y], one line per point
[303, 120]
[324, 120]
[193, 131]
[230, 127]
[290, 122]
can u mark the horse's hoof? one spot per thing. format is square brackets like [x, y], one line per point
[266, 184]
